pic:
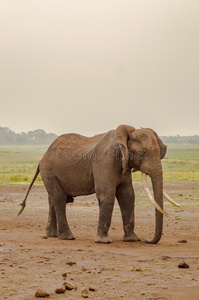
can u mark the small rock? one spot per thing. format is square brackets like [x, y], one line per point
[71, 263]
[41, 294]
[180, 195]
[64, 275]
[183, 265]
[84, 293]
[138, 269]
[165, 257]
[44, 237]
[92, 288]
[83, 269]
[182, 241]
[69, 286]
[60, 290]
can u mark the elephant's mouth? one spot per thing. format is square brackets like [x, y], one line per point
[135, 170]
[155, 204]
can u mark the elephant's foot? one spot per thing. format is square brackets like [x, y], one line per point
[52, 233]
[66, 236]
[131, 238]
[102, 239]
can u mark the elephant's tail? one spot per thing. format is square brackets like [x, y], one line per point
[23, 204]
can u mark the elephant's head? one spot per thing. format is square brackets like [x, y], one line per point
[142, 150]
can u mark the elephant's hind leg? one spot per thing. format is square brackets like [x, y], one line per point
[57, 211]
[51, 229]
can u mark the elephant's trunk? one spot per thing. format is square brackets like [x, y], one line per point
[157, 183]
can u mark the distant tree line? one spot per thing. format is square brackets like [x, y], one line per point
[36, 137]
[39, 137]
[194, 139]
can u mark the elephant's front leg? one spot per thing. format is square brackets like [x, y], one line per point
[106, 203]
[126, 199]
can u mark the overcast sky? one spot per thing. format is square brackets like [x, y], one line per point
[87, 66]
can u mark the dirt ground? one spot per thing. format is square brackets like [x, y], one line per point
[115, 271]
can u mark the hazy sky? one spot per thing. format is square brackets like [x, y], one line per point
[87, 66]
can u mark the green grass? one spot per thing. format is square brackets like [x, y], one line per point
[181, 162]
[18, 163]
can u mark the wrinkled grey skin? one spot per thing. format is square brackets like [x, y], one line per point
[75, 165]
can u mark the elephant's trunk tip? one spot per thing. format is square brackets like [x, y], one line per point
[154, 241]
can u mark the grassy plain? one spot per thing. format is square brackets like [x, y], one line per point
[181, 162]
[18, 163]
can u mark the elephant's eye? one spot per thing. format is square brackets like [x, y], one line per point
[138, 155]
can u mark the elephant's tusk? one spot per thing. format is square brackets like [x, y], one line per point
[169, 199]
[146, 188]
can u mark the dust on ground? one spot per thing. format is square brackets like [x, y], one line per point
[118, 270]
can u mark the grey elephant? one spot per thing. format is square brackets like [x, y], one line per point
[76, 165]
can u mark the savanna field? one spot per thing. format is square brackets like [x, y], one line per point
[29, 261]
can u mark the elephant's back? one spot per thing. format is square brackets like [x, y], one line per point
[74, 141]
[68, 151]
[69, 141]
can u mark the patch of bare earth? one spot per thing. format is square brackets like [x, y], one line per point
[29, 261]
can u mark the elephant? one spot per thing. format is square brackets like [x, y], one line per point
[75, 165]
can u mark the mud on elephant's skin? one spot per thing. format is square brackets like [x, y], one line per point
[75, 165]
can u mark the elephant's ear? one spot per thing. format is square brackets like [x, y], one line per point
[163, 147]
[123, 133]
